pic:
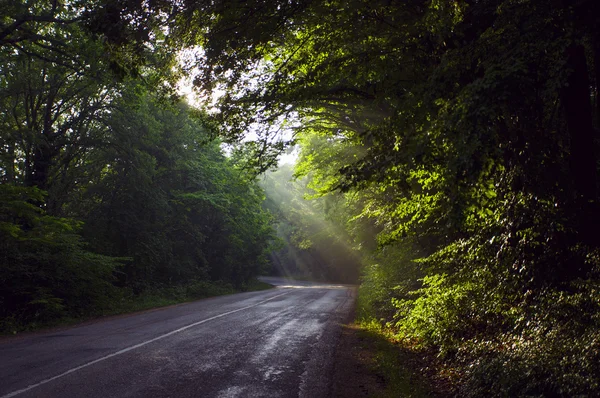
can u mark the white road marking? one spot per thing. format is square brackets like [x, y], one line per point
[133, 347]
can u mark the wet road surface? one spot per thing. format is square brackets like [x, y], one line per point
[274, 343]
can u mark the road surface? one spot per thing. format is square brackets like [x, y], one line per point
[274, 343]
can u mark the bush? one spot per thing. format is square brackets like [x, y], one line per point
[45, 271]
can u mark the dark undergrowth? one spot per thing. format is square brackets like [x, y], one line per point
[128, 302]
[407, 371]
[371, 362]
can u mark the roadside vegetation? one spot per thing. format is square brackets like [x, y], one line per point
[450, 149]
[400, 370]
[126, 302]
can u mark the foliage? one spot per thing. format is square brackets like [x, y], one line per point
[158, 206]
[172, 201]
[46, 270]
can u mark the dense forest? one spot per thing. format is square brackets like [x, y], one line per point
[449, 150]
[109, 187]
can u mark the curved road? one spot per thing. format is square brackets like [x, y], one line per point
[274, 343]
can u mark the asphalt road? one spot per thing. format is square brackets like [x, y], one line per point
[274, 343]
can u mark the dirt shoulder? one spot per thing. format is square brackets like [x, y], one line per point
[367, 364]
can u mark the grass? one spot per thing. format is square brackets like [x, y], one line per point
[399, 366]
[255, 285]
[130, 303]
[372, 362]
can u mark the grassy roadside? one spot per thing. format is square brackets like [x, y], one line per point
[371, 363]
[130, 303]
[157, 298]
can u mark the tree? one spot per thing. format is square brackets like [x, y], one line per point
[165, 195]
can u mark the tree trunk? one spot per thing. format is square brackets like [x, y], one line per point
[10, 163]
[578, 113]
[576, 98]
[596, 48]
[42, 159]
